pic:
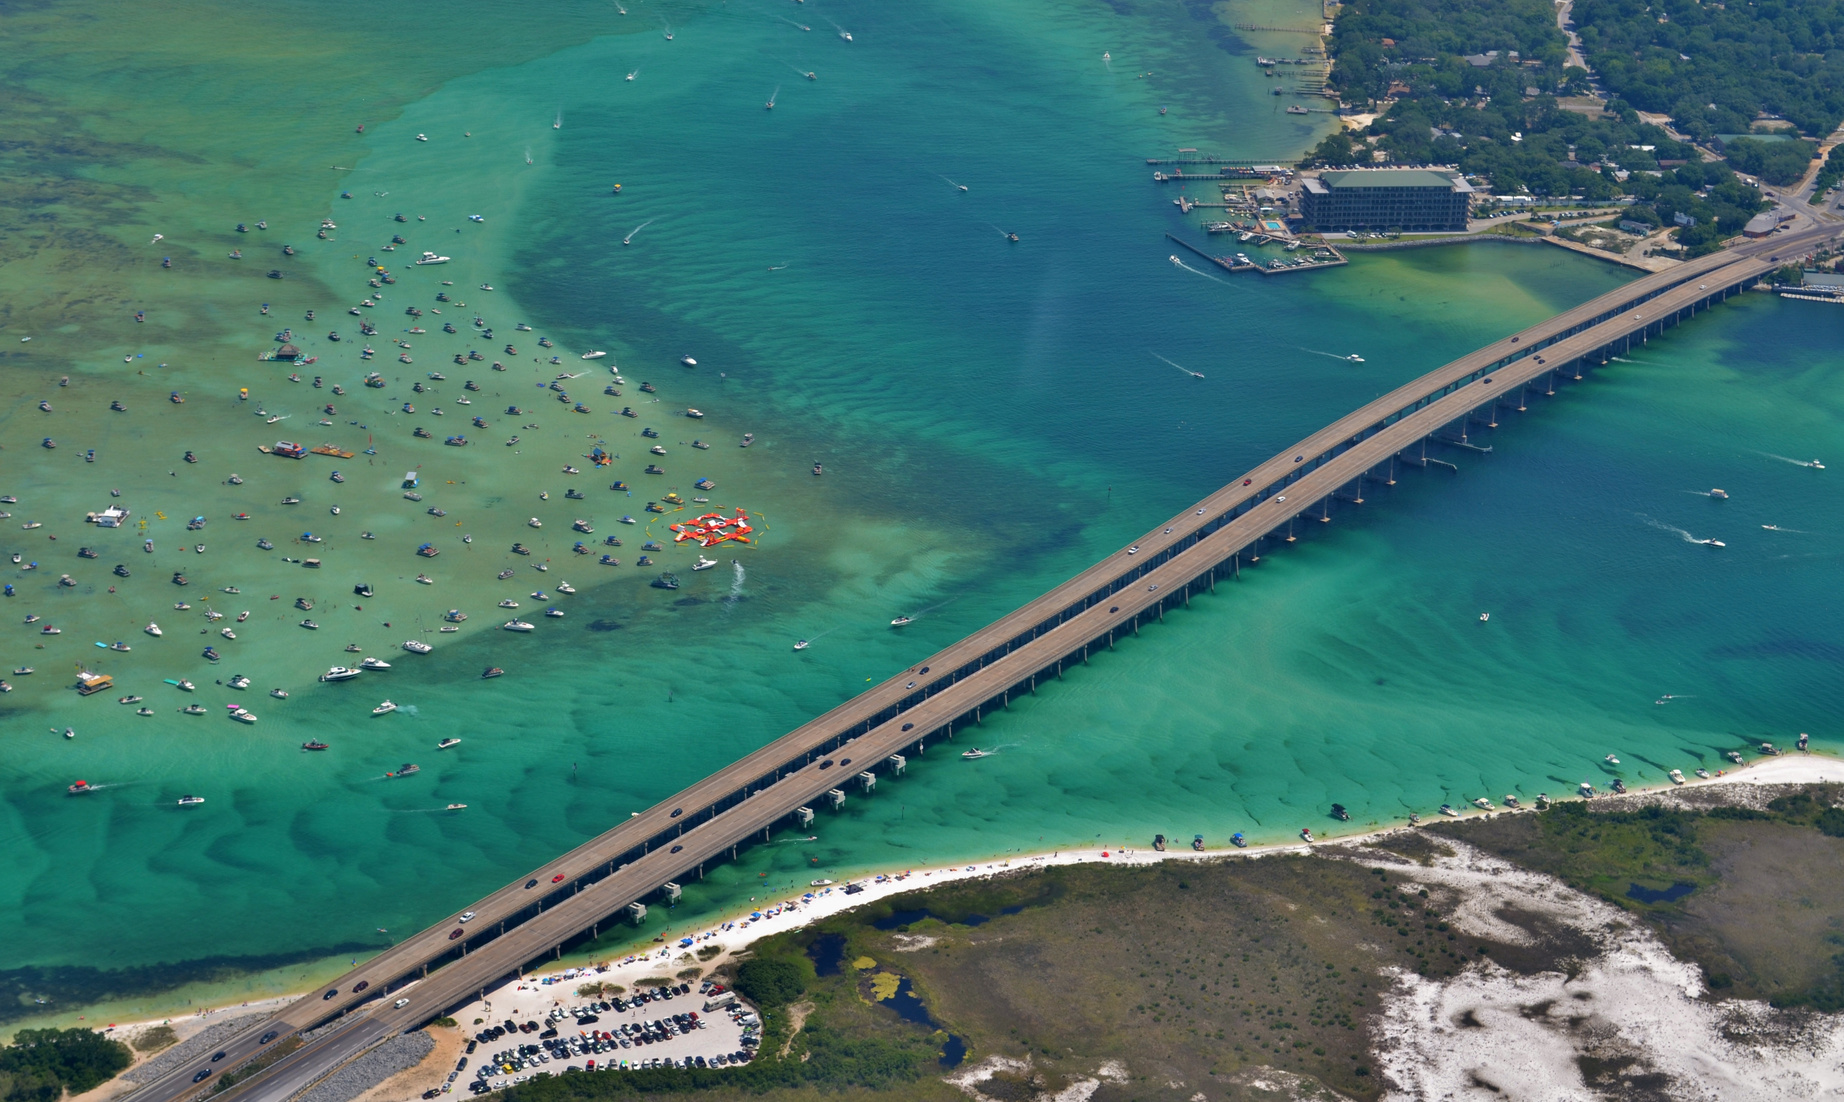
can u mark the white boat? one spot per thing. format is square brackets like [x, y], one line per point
[417, 646]
[688, 361]
[152, 629]
[1720, 495]
[976, 753]
[565, 587]
[191, 801]
[447, 742]
[509, 603]
[1611, 760]
[384, 709]
[370, 663]
[243, 715]
[704, 563]
[431, 258]
[340, 673]
[801, 644]
[820, 883]
[554, 613]
[517, 625]
[1483, 804]
[422, 137]
[901, 620]
[1355, 358]
[1485, 617]
[279, 694]
[239, 682]
[593, 355]
[1677, 776]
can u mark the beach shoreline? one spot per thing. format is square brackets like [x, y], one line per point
[736, 931]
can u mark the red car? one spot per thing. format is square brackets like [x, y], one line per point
[458, 931]
[558, 879]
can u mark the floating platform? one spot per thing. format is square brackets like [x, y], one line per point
[328, 449]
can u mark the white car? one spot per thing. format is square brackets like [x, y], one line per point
[467, 915]
[401, 1003]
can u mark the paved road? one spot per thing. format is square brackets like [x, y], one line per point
[796, 769]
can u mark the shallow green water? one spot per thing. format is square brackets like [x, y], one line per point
[991, 417]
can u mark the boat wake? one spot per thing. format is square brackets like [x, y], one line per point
[1641, 363]
[528, 154]
[1813, 463]
[737, 576]
[1679, 532]
[1179, 262]
[1333, 355]
[637, 229]
[408, 709]
[791, 23]
[1669, 697]
[1181, 367]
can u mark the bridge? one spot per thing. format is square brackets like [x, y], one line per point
[535, 916]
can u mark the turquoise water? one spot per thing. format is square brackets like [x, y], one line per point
[991, 417]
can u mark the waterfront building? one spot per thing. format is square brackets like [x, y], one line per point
[1413, 200]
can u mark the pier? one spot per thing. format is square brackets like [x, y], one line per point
[836, 757]
[1231, 264]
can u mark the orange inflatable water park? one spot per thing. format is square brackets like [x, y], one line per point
[712, 529]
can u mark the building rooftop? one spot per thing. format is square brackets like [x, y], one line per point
[1393, 177]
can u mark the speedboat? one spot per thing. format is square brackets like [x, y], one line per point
[1677, 776]
[384, 709]
[1720, 495]
[447, 742]
[310, 625]
[1586, 790]
[279, 694]
[405, 770]
[80, 788]
[184, 686]
[1447, 809]
[593, 355]
[1484, 804]
[431, 258]
[417, 646]
[1238, 840]
[370, 663]
[191, 801]
[509, 603]
[1306, 834]
[129, 700]
[688, 361]
[565, 587]
[517, 625]
[976, 753]
[314, 745]
[455, 807]
[1511, 801]
[194, 709]
[490, 672]
[1611, 760]
[239, 682]
[901, 620]
[340, 673]
[554, 613]
[242, 715]
[801, 644]
[1703, 773]
[704, 563]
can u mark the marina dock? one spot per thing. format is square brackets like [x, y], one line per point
[825, 762]
[1238, 263]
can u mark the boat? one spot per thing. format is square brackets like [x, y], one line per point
[313, 744]
[703, 563]
[1296, 109]
[667, 580]
[242, 715]
[152, 629]
[517, 625]
[454, 616]
[1511, 801]
[688, 361]
[1238, 840]
[509, 603]
[340, 673]
[1586, 790]
[431, 258]
[455, 807]
[901, 620]
[137, 711]
[80, 788]
[554, 613]
[405, 770]
[1307, 834]
[1447, 809]
[491, 671]
[310, 625]
[1611, 760]
[1720, 495]
[417, 646]
[120, 647]
[21, 671]
[370, 663]
[1339, 813]
[129, 700]
[1484, 804]
[976, 754]
[239, 681]
[279, 694]
[565, 587]
[1703, 773]
[1484, 617]
[593, 355]
[801, 644]
[184, 686]
[191, 801]
[1677, 776]
[384, 709]
[194, 709]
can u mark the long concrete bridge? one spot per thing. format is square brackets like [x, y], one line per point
[535, 916]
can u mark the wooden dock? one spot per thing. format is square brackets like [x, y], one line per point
[1230, 264]
[820, 762]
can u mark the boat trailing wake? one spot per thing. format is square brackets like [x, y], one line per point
[637, 229]
[1679, 532]
[1813, 463]
[1181, 367]
[737, 576]
[1179, 262]
[1333, 355]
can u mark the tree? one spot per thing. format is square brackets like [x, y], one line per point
[770, 983]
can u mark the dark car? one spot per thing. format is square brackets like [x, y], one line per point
[330, 994]
[531, 883]
[269, 1036]
[458, 931]
[360, 986]
[201, 1076]
[587, 1019]
[216, 1056]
